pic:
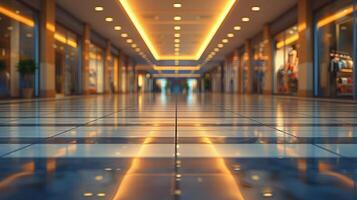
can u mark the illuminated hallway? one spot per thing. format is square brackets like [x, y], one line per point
[226, 147]
[178, 99]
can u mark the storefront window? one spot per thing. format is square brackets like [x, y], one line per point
[286, 62]
[335, 50]
[96, 69]
[66, 61]
[17, 42]
[244, 66]
[259, 67]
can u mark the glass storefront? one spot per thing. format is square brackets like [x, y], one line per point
[17, 42]
[286, 61]
[114, 74]
[96, 70]
[244, 64]
[335, 50]
[66, 62]
[259, 67]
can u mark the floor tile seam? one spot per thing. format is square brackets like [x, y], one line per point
[336, 120]
[287, 133]
[38, 100]
[47, 138]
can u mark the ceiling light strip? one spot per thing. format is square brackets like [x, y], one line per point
[176, 75]
[178, 68]
[17, 17]
[125, 4]
[138, 26]
[215, 28]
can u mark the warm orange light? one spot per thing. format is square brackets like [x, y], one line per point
[51, 27]
[17, 17]
[176, 75]
[334, 17]
[64, 40]
[177, 68]
[216, 24]
[288, 41]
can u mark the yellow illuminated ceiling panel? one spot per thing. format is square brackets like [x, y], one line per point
[177, 68]
[176, 75]
[200, 20]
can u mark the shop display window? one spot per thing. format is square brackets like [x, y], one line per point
[66, 61]
[244, 66]
[259, 67]
[96, 69]
[286, 62]
[17, 42]
[334, 27]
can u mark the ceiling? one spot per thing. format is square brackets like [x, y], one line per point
[150, 24]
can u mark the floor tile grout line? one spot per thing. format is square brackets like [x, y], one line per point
[287, 133]
[53, 136]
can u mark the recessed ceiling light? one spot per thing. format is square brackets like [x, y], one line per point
[137, 50]
[177, 40]
[109, 19]
[237, 28]
[88, 194]
[230, 35]
[220, 45]
[267, 194]
[177, 18]
[177, 28]
[124, 35]
[177, 5]
[177, 45]
[216, 49]
[225, 40]
[177, 49]
[129, 41]
[255, 8]
[134, 45]
[177, 35]
[117, 28]
[99, 8]
[245, 19]
[101, 194]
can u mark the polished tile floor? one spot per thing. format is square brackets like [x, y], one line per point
[178, 147]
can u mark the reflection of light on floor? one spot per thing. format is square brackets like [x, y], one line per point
[228, 176]
[66, 150]
[128, 180]
[28, 169]
[286, 151]
[324, 169]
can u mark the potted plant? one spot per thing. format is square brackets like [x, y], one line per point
[27, 68]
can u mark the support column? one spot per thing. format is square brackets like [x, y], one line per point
[247, 54]
[126, 74]
[305, 48]
[107, 68]
[268, 49]
[85, 59]
[122, 78]
[47, 52]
